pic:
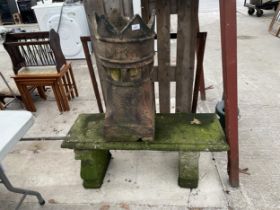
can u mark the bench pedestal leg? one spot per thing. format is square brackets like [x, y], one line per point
[94, 165]
[188, 169]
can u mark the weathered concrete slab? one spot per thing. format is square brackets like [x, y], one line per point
[174, 132]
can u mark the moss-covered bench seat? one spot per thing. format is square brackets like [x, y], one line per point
[183, 132]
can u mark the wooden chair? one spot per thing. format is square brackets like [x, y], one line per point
[38, 61]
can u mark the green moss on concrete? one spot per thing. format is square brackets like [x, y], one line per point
[188, 170]
[94, 165]
[174, 132]
[188, 182]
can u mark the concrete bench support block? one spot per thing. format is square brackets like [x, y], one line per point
[188, 169]
[94, 165]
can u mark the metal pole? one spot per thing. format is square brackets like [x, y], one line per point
[11, 91]
[229, 58]
[24, 192]
[85, 41]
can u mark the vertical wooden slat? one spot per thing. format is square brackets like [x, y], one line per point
[94, 5]
[107, 6]
[229, 57]
[145, 9]
[173, 6]
[111, 5]
[128, 8]
[163, 31]
[202, 80]
[202, 85]
[186, 43]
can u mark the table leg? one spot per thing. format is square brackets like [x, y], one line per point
[71, 87]
[67, 87]
[58, 99]
[29, 98]
[41, 92]
[26, 98]
[63, 95]
[25, 192]
[73, 80]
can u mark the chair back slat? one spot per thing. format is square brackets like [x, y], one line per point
[37, 54]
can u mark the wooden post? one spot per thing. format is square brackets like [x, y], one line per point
[229, 57]
[163, 38]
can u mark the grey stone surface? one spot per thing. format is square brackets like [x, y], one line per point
[133, 177]
[148, 180]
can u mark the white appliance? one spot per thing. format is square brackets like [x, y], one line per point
[137, 7]
[69, 20]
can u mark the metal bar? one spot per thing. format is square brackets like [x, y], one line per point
[20, 202]
[91, 72]
[200, 56]
[172, 36]
[45, 138]
[229, 59]
[202, 85]
[25, 192]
